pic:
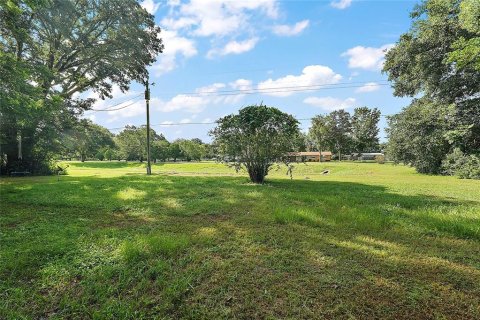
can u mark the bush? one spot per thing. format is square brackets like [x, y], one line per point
[256, 138]
[462, 165]
[380, 159]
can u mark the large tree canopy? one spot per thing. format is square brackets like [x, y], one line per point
[84, 44]
[436, 61]
[255, 138]
[419, 62]
[53, 49]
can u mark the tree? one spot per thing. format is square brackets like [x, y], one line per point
[318, 133]
[338, 132]
[110, 153]
[87, 139]
[466, 52]
[175, 151]
[132, 142]
[365, 129]
[59, 48]
[437, 62]
[192, 149]
[210, 151]
[255, 138]
[416, 136]
[160, 150]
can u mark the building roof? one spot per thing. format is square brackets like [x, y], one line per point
[311, 153]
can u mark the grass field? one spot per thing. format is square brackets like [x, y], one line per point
[198, 241]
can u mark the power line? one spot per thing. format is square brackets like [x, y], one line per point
[120, 108]
[266, 90]
[276, 90]
[285, 88]
[109, 108]
[167, 124]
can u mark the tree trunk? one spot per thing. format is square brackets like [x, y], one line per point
[257, 174]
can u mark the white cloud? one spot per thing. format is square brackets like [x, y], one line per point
[218, 17]
[175, 45]
[241, 84]
[367, 58]
[341, 4]
[175, 24]
[193, 104]
[311, 75]
[185, 120]
[201, 99]
[210, 88]
[223, 20]
[234, 47]
[329, 103]
[173, 3]
[150, 6]
[368, 87]
[286, 30]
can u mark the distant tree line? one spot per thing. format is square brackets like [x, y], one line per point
[343, 133]
[89, 141]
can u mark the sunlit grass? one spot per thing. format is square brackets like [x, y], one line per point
[197, 240]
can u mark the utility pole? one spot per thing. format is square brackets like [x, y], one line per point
[147, 100]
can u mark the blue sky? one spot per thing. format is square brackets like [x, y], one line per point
[272, 51]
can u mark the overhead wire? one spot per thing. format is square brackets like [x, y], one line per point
[286, 89]
[167, 124]
[266, 90]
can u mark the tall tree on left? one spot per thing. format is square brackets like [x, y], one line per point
[53, 50]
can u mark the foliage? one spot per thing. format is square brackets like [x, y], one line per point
[466, 51]
[365, 129]
[132, 142]
[428, 62]
[461, 165]
[51, 50]
[416, 136]
[160, 150]
[338, 136]
[87, 139]
[83, 44]
[192, 149]
[175, 151]
[318, 133]
[255, 138]
[380, 159]
[342, 133]
[110, 153]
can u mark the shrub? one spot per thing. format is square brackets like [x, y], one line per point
[380, 159]
[256, 138]
[461, 165]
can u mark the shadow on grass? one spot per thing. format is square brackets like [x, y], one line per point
[213, 247]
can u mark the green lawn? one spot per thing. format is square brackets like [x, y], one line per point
[198, 241]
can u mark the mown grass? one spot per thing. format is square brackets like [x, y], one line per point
[198, 241]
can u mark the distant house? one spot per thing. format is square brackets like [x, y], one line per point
[369, 156]
[310, 156]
